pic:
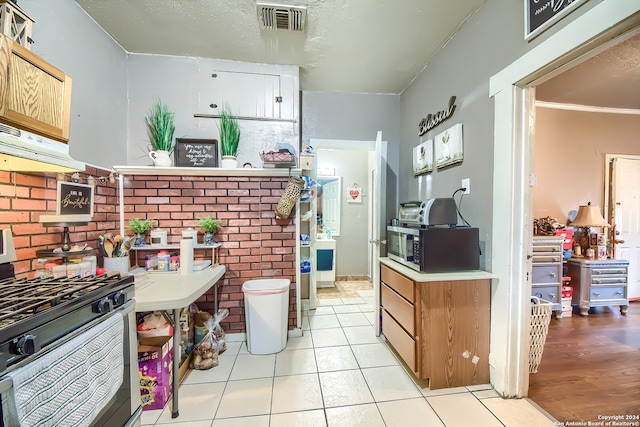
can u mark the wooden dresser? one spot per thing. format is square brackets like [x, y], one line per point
[438, 323]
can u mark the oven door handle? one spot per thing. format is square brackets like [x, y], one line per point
[6, 383]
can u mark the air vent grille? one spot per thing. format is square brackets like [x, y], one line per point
[281, 17]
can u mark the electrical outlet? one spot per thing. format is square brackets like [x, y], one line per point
[466, 183]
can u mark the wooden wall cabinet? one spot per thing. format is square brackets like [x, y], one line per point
[440, 328]
[34, 95]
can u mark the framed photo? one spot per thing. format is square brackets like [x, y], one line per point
[198, 153]
[449, 148]
[74, 199]
[423, 158]
[540, 15]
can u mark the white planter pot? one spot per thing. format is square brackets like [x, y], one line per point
[161, 158]
[229, 162]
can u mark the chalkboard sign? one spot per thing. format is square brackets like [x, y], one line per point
[541, 14]
[74, 199]
[200, 153]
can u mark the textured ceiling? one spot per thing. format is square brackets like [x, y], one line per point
[354, 46]
[609, 79]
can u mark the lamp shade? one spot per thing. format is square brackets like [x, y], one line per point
[589, 216]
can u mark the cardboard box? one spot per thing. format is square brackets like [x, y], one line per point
[567, 310]
[155, 366]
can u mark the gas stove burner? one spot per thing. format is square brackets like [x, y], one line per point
[43, 310]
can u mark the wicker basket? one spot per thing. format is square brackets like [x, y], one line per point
[278, 159]
[540, 318]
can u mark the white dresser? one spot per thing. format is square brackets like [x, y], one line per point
[546, 270]
[599, 282]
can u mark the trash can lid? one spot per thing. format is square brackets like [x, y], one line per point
[266, 285]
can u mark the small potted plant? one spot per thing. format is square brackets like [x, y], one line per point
[160, 129]
[229, 137]
[209, 225]
[140, 228]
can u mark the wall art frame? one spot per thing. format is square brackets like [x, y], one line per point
[423, 158]
[449, 147]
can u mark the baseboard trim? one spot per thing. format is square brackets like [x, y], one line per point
[352, 278]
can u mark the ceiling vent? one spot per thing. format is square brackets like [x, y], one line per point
[281, 17]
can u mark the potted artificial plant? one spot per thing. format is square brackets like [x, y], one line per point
[209, 225]
[229, 137]
[160, 128]
[140, 228]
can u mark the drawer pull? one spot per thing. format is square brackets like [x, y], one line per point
[596, 294]
[619, 293]
[553, 274]
[552, 295]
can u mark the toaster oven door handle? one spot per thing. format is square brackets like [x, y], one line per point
[416, 203]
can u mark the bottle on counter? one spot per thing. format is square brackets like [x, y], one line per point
[41, 270]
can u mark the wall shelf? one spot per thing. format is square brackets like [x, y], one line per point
[191, 171]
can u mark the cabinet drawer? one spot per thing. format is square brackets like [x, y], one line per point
[546, 273]
[404, 344]
[608, 293]
[608, 280]
[549, 293]
[545, 258]
[398, 283]
[547, 248]
[617, 271]
[401, 310]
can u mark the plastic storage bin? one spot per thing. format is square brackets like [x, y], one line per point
[266, 311]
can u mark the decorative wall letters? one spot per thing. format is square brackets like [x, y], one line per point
[433, 120]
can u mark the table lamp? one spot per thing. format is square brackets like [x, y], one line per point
[588, 216]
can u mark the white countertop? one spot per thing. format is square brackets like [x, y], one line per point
[169, 291]
[436, 277]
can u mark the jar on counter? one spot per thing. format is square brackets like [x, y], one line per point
[74, 270]
[151, 262]
[41, 271]
[59, 271]
[163, 262]
[174, 263]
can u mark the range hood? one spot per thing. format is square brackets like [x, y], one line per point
[23, 151]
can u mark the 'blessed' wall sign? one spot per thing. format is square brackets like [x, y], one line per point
[433, 120]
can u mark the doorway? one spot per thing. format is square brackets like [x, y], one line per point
[514, 103]
[346, 164]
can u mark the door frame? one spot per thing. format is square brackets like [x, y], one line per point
[514, 129]
[607, 181]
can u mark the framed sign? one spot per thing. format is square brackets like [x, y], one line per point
[74, 199]
[449, 148]
[542, 14]
[423, 158]
[199, 153]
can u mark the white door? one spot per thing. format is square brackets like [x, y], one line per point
[626, 177]
[379, 219]
[331, 206]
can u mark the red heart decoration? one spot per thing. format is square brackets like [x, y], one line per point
[354, 194]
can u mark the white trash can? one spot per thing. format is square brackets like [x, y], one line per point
[266, 311]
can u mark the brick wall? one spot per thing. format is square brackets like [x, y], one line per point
[24, 197]
[254, 244]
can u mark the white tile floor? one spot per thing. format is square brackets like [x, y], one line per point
[337, 374]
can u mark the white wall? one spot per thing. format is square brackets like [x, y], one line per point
[69, 39]
[182, 83]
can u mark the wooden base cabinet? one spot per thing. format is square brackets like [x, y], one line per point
[440, 328]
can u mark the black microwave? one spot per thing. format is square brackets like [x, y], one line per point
[436, 249]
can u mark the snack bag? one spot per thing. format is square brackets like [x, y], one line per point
[218, 331]
[205, 353]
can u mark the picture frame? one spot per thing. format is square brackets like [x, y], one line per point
[195, 152]
[423, 158]
[74, 199]
[539, 16]
[449, 147]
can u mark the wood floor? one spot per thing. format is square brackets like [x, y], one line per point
[590, 366]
